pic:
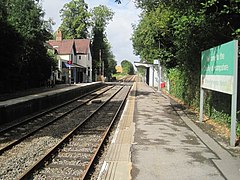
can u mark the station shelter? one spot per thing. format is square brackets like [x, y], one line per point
[151, 75]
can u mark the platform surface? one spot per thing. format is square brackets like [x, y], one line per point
[39, 93]
[18, 106]
[155, 142]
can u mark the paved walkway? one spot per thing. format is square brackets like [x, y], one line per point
[33, 91]
[155, 142]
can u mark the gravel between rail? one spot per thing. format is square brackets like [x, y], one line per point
[20, 157]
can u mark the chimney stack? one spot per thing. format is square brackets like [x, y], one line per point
[59, 35]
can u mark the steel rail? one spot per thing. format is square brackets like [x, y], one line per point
[64, 140]
[17, 141]
[128, 78]
[90, 166]
[7, 129]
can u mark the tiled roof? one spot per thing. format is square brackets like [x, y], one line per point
[62, 47]
[65, 46]
[82, 45]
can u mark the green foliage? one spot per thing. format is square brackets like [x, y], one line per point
[118, 1]
[22, 50]
[221, 117]
[27, 18]
[152, 37]
[217, 106]
[178, 32]
[9, 61]
[3, 10]
[101, 16]
[176, 79]
[75, 20]
[127, 67]
[147, 5]
[238, 129]
[108, 59]
[183, 29]
[141, 71]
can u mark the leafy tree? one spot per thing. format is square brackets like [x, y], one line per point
[22, 49]
[108, 59]
[183, 29]
[27, 18]
[111, 65]
[154, 31]
[147, 5]
[9, 54]
[101, 16]
[3, 10]
[118, 1]
[75, 20]
[127, 67]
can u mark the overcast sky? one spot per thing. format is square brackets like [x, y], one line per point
[118, 31]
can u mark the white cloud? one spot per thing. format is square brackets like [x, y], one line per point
[118, 31]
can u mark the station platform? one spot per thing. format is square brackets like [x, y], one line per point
[154, 141]
[36, 100]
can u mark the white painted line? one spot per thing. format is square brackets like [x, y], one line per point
[103, 169]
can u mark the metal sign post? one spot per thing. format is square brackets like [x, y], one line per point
[201, 105]
[234, 97]
[69, 74]
[157, 62]
[69, 71]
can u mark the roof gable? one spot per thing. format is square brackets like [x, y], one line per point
[63, 47]
[82, 45]
[66, 46]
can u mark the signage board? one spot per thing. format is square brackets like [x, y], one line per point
[217, 68]
[156, 62]
[219, 72]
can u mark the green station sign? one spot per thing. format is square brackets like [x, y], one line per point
[219, 60]
[219, 72]
[218, 67]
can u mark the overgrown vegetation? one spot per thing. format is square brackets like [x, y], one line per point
[176, 32]
[127, 67]
[23, 56]
[103, 59]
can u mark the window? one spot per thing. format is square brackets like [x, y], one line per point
[79, 57]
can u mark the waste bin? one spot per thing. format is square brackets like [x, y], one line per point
[162, 85]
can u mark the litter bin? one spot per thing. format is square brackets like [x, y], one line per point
[162, 85]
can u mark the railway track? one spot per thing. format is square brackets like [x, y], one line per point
[16, 133]
[29, 153]
[76, 151]
[128, 79]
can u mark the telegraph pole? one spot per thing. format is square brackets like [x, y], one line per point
[100, 62]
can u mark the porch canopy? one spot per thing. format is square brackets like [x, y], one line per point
[66, 65]
[142, 64]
